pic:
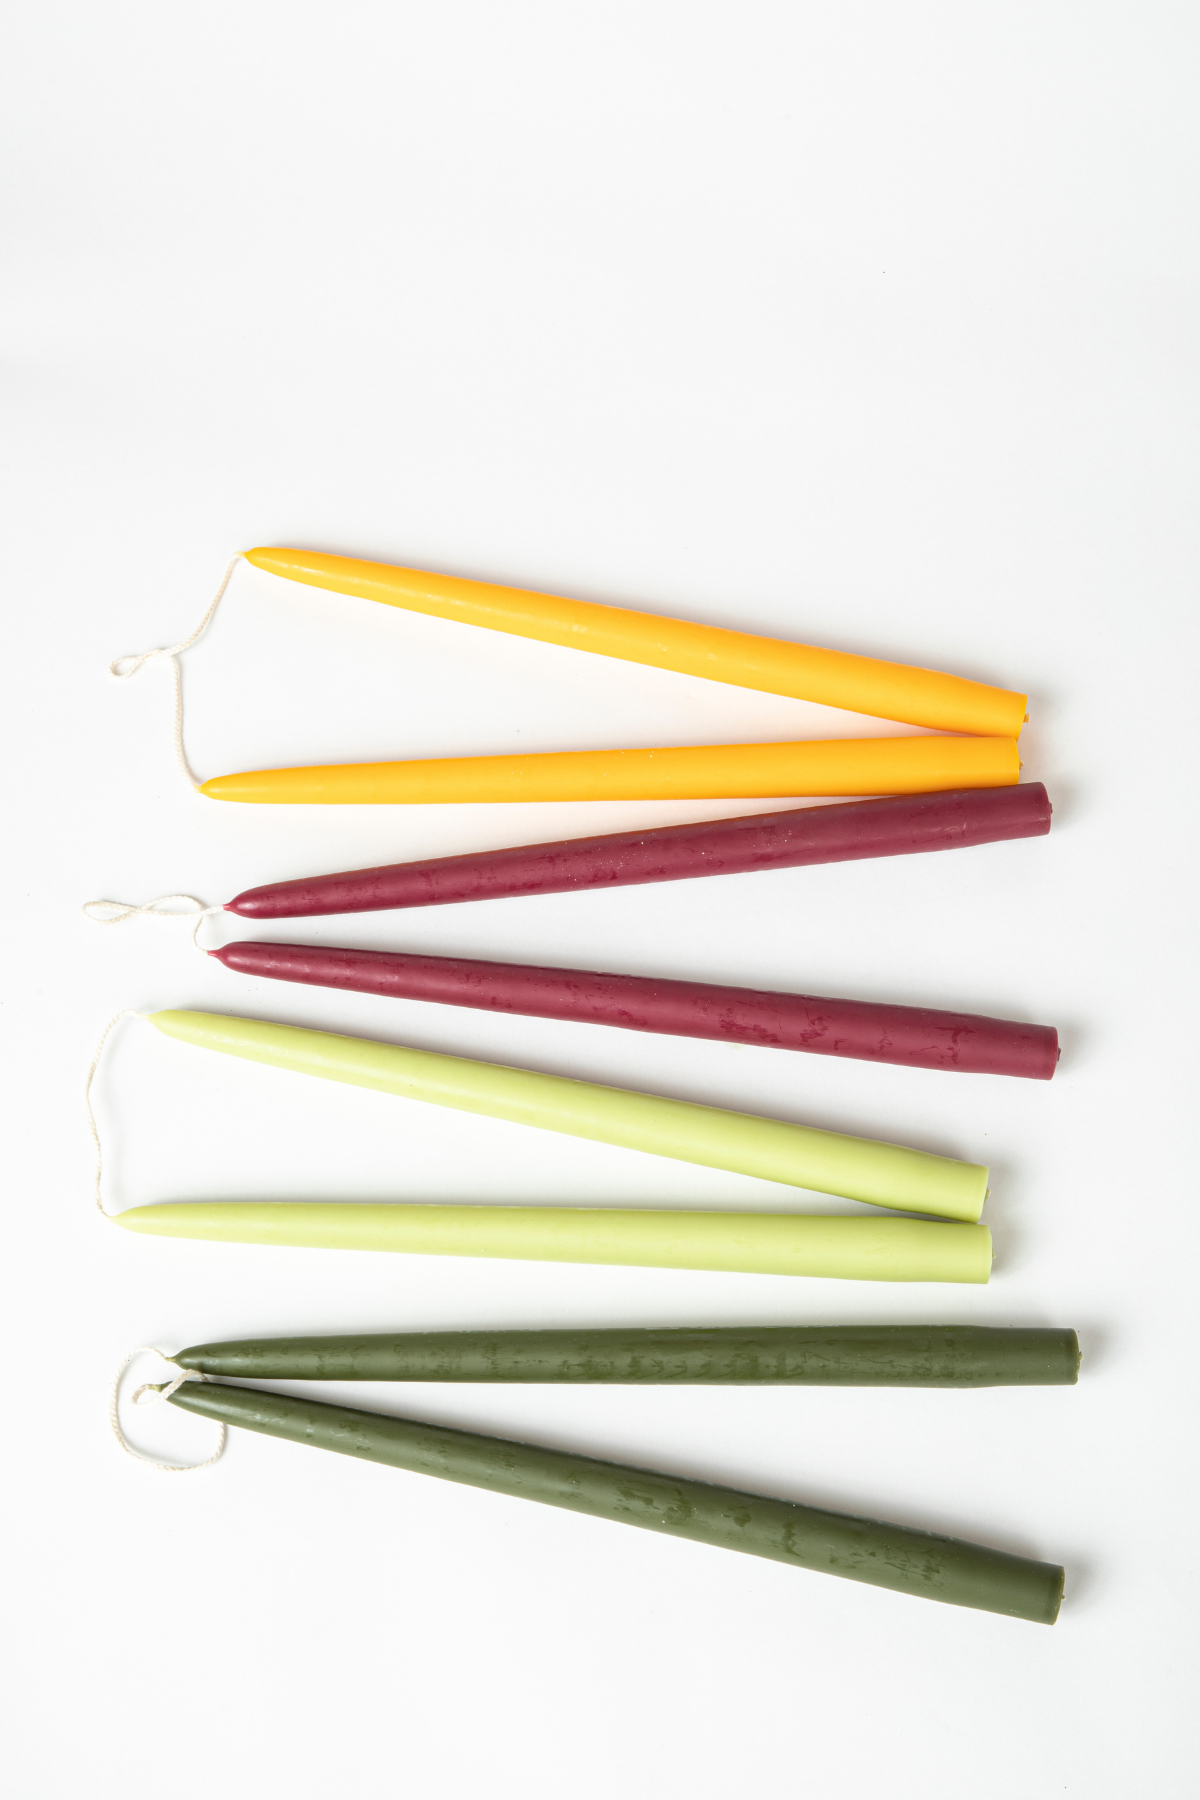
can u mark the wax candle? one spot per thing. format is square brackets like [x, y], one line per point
[812, 1244]
[917, 1036]
[856, 1168]
[862, 684]
[826, 1247]
[807, 1537]
[898, 825]
[941, 1356]
[908, 765]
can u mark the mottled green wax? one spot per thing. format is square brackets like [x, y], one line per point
[889, 1556]
[959, 1356]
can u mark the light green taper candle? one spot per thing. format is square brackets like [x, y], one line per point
[748, 1243]
[827, 1161]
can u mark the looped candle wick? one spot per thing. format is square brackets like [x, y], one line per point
[122, 667]
[162, 1392]
[127, 1013]
[116, 912]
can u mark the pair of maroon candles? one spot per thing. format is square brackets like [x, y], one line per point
[920, 1037]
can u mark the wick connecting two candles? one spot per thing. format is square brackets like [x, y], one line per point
[919, 1563]
[922, 697]
[119, 912]
[917, 1037]
[884, 1175]
[166, 1392]
[122, 667]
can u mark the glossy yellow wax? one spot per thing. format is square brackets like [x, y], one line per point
[828, 1162]
[838, 766]
[862, 684]
[845, 1249]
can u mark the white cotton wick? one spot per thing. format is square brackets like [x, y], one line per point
[161, 1392]
[122, 667]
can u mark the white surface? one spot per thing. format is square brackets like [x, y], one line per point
[868, 325]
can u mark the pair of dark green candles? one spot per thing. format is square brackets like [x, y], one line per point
[889, 1556]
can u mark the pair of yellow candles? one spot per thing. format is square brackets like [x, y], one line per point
[986, 756]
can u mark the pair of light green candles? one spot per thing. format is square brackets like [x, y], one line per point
[947, 1244]
[884, 1175]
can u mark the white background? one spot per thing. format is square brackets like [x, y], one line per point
[869, 325]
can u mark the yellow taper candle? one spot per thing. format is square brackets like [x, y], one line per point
[846, 1249]
[862, 684]
[836, 766]
[827, 1161]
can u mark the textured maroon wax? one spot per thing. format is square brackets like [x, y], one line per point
[896, 826]
[916, 1035]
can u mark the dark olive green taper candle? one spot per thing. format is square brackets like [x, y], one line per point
[797, 1355]
[807, 1537]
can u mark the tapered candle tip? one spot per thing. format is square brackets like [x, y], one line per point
[266, 786]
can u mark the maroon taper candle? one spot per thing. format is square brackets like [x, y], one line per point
[896, 826]
[918, 1036]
